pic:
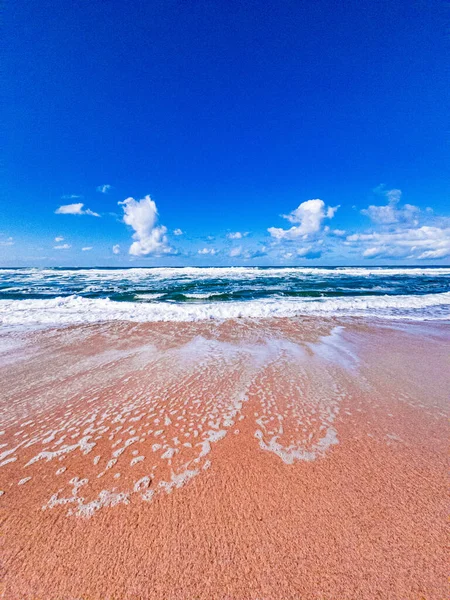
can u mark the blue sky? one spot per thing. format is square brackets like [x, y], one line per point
[228, 115]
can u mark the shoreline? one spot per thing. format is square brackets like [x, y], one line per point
[78, 310]
[317, 469]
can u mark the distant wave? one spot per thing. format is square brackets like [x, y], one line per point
[75, 309]
[52, 296]
[220, 272]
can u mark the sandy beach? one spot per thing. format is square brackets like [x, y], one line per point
[245, 459]
[224, 301]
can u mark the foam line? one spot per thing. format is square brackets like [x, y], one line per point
[76, 309]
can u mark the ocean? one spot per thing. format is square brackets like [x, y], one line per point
[32, 296]
[166, 431]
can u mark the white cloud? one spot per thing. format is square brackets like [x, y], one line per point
[237, 235]
[309, 252]
[391, 213]
[8, 242]
[105, 188]
[339, 232]
[393, 195]
[177, 232]
[75, 209]
[116, 249]
[256, 253]
[403, 232]
[303, 251]
[421, 243]
[307, 218]
[331, 211]
[62, 247]
[438, 253]
[71, 197]
[142, 216]
[210, 251]
[86, 248]
[248, 253]
[59, 238]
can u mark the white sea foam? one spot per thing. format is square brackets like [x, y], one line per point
[149, 296]
[197, 273]
[201, 296]
[75, 309]
[292, 453]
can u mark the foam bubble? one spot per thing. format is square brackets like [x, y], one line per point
[75, 309]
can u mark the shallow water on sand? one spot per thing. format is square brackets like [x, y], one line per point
[111, 424]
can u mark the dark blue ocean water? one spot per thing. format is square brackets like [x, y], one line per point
[220, 292]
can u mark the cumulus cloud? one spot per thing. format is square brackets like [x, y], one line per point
[86, 248]
[421, 243]
[331, 211]
[62, 247]
[391, 213]
[116, 249]
[105, 188]
[402, 231]
[142, 216]
[59, 238]
[307, 218]
[210, 251]
[177, 232]
[237, 235]
[75, 209]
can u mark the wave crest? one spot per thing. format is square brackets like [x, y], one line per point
[76, 309]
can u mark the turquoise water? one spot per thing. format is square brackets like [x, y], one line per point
[221, 292]
[220, 284]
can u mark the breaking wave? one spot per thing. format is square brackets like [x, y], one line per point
[76, 309]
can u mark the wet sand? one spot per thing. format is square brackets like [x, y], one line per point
[270, 459]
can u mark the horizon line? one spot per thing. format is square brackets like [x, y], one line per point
[361, 266]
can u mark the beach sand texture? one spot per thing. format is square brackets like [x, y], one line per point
[244, 459]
